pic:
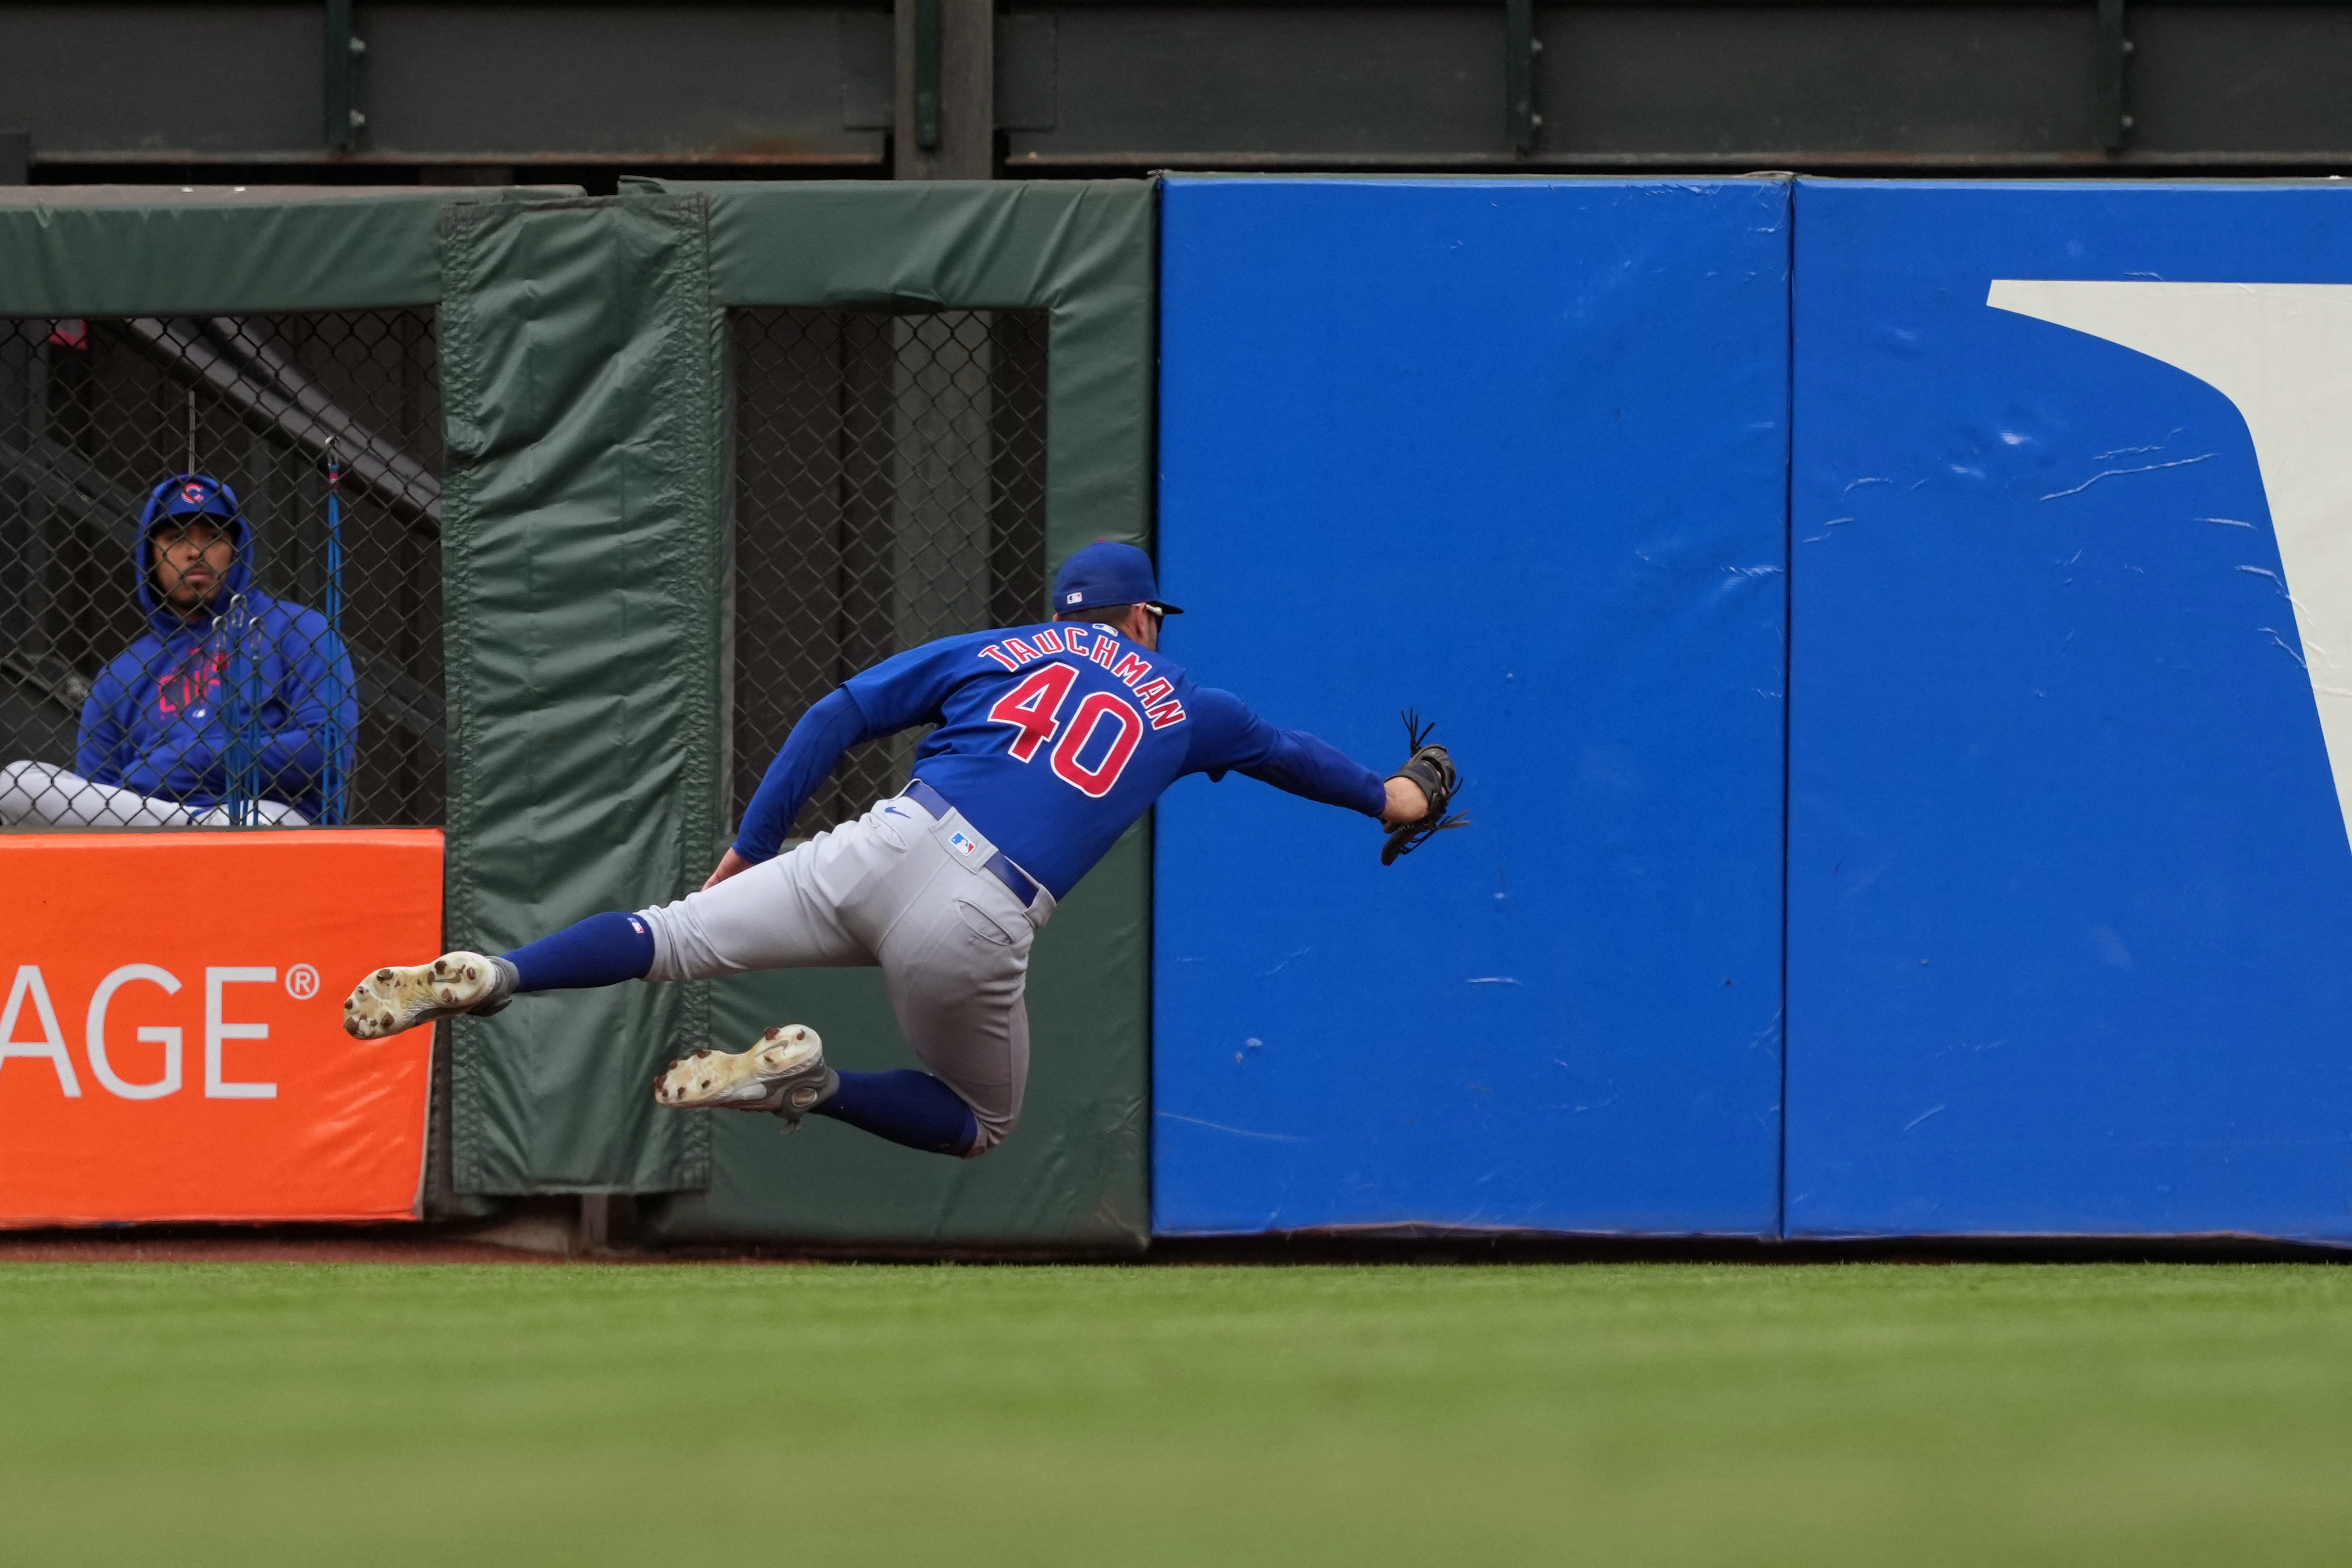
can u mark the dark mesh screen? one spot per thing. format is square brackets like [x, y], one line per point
[889, 489]
[290, 668]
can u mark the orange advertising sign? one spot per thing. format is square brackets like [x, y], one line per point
[171, 1042]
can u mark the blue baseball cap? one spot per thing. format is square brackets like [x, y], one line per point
[1107, 574]
[190, 495]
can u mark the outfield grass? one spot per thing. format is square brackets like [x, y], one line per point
[1683, 1415]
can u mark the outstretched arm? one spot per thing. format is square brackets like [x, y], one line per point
[830, 727]
[900, 692]
[1232, 737]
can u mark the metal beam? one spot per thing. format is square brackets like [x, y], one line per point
[947, 89]
[266, 389]
[344, 49]
[1520, 46]
[927, 75]
[2110, 110]
[1119, 86]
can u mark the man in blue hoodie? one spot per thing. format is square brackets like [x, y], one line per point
[225, 710]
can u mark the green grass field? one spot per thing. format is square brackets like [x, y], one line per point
[1636, 1414]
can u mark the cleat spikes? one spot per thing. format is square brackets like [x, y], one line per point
[783, 1072]
[397, 997]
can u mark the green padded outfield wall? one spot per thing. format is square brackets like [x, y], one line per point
[580, 405]
[151, 250]
[586, 522]
[144, 250]
[1074, 1173]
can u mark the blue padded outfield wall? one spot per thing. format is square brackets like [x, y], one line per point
[1513, 452]
[2069, 892]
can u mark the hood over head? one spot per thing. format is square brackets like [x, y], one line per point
[189, 496]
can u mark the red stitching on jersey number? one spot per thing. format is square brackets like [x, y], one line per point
[1030, 707]
[1098, 780]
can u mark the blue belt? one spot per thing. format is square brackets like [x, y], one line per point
[1005, 871]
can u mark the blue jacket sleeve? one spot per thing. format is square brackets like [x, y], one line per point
[830, 727]
[1228, 735]
[98, 750]
[291, 758]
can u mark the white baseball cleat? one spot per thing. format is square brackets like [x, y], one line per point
[402, 997]
[784, 1071]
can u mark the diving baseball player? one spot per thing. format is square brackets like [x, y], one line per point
[1050, 740]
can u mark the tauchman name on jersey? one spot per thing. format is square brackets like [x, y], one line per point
[1093, 644]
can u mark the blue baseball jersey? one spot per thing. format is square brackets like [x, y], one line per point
[1050, 740]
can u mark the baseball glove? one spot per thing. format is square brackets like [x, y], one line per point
[1432, 767]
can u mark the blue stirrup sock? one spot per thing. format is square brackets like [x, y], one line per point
[602, 950]
[906, 1107]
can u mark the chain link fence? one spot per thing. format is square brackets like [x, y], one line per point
[220, 578]
[889, 489]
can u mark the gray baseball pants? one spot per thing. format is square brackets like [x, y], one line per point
[45, 794]
[951, 940]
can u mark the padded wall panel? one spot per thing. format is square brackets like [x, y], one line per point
[1071, 1176]
[581, 407]
[2070, 891]
[1074, 1175]
[170, 250]
[1512, 452]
